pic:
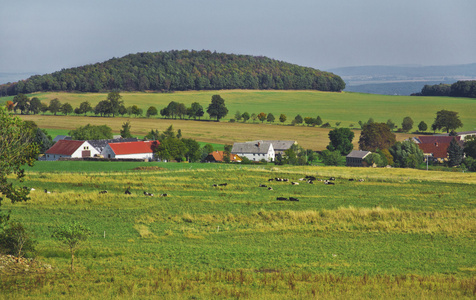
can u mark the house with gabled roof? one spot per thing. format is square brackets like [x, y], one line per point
[217, 156]
[130, 150]
[254, 151]
[436, 146]
[356, 158]
[70, 149]
[280, 146]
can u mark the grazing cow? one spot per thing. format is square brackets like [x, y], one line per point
[310, 177]
[351, 179]
[285, 179]
[282, 198]
[223, 184]
[262, 185]
[127, 192]
[270, 188]
[295, 183]
[163, 195]
[148, 194]
[310, 182]
[103, 192]
[47, 192]
[301, 179]
[332, 178]
[329, 182]
[271, 179]
[361, 180]
[214, 185]
[293, 199]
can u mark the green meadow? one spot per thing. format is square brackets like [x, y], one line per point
[347, 108]
[400, 233]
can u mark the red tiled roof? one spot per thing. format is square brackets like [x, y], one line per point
[218, 156]
[436, 145]
[65, 147]
[133, 147]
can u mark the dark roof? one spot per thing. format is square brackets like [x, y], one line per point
[61, 137]
[64, 147]
[101, 144]
[425, 139]
[251, 147]
[358, 154]
[281, 145]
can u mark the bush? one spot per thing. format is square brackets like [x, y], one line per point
[332, 158]
[16, 240]
[232, 121]
[326, 125]
[470, 164]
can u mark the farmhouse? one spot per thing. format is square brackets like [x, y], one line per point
[217, 156]
[436, 146]
[130, 150]
[254, 151]
[356, 158]
[280, 146]
[70, 149]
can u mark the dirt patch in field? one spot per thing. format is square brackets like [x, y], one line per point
[10, 264]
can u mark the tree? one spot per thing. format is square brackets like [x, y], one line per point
[374, 158]
[470, 147]
[282, 118]
[43, 140]
[390, 124]
[262, 117]
[447, 120]
[55, 106]
[181, 110]
[422, 126]
[245, 116]
[406, 154]
[153, 135]
[35, 105]
[44, 107]
[455, 153]
[217, 108]
[151, 111]
[193, 153]
[91, 132]
[171, 148]
[376, 136]
[9, 105]
[85, 107]
[135, 110]
[16, 240]
[341, 140]
[238, 116]
[126, 130]
[17, 149]
[253, 117]
[71, 235]
[332, 158]
[298, 119]
[66, 109]
[103, 108]
[318, 121]
[270, 118]
[22, 103]
[114, 99]
[407, 124]
[196, 110]
[122, 110]
[309, 121]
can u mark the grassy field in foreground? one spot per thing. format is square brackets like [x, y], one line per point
[347, 108]
[400, 233]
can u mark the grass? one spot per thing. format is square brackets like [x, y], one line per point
[344, 107]
[400, 233]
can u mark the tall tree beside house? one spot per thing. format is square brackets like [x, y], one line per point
[406, 154]
[55, 106]
[341, 140]
[455, 153]
[470, 147]
[446, 120]
[217, 108]
[126, 130]
[407, 124]
[376, 136]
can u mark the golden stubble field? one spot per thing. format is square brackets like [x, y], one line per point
[203, 131]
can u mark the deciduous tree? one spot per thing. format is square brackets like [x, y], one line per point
[341, 140]
[407, 124]
[406, 154]
[422, 126]
[262, 117]
[71, 235]
[447, 120]
[282, 118]
[376, 136]
[126, 130]
[217, 108]
[270, 118]
[151, 111]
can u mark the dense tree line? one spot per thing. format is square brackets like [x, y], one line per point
[457, 89]
[179, 71]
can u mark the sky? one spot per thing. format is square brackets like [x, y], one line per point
[49, 35]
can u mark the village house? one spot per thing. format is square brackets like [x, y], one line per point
[217, 156]
[130, 150]
[462, 134]
[436, 146]
[70, 149]
[356, 158]
[254, 151]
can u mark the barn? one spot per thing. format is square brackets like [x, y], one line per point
[70, 149]
[130, 150]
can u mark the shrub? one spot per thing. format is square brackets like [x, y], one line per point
[326, 125]
[16, 240]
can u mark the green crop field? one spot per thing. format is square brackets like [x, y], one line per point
[401, 233]
[347, 108]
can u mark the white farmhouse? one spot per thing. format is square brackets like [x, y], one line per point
[130, 150]
[70, 149]
[254, 151]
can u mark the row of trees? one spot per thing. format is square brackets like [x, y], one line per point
[179, 71]
[457, 89]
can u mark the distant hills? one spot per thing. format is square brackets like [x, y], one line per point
[401, 80]
[178, 71]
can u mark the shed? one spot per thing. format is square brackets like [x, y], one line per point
[356, 158]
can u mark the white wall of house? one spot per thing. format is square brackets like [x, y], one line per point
[269, 156]
[55, 156]
[76, 154]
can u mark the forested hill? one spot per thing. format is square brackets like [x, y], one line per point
[179, 71]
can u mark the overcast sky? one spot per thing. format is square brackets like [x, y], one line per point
[48, 35]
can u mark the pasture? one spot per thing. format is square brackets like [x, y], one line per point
[347, 108]
[399, 233]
